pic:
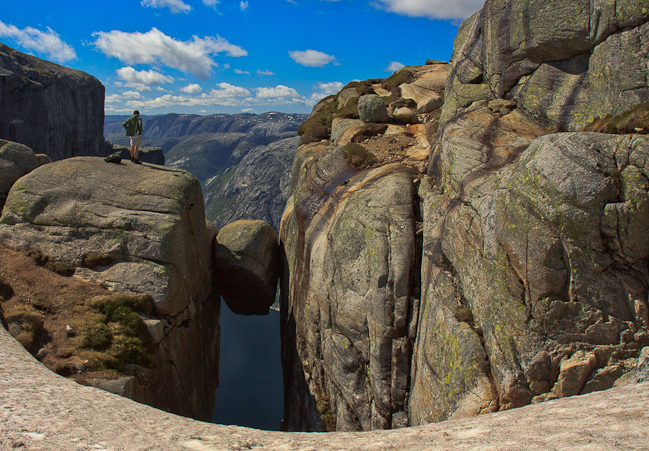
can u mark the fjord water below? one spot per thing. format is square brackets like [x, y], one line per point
[251, 391]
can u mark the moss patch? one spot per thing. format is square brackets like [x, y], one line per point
[400, 77]
[48, 263]
[95, 260]
[111, 325]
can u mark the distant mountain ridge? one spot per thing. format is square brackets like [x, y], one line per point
[178, 125]
[225, 152]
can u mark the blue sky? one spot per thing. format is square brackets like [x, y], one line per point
[227, 56]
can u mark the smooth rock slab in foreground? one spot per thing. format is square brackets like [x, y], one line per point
[40, 410]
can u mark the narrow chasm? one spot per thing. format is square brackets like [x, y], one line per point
[251, 390]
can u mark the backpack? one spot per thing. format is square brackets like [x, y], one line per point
[113, 158]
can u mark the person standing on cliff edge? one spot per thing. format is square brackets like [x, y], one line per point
[133, 126]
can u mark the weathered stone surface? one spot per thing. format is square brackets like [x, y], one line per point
[16, 160]
[527, 250]
[148, 219]
[356, 289]
[95, 419]
[247, 265]
[573, 373]
[149, 224]
[43, 105]
[371, 108]
[564, 72]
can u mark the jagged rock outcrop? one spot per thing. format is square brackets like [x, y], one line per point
[247, 266]
[256, 188]
[134, 228]
[53, 109]
[16, 160]
[515, 271]
[564, 72]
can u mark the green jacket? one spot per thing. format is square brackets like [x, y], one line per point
[133, 125]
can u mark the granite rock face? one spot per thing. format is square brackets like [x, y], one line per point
[145, 226]
[350, 289]
[247, 266]
[563, 63]
[53, 109]
[515, 270]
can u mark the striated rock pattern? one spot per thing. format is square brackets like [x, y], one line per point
[350, 287]
[515, 270]
[247, 266]
[53, 109]
[135, 228]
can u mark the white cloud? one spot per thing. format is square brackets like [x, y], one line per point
[175, 6]
[394, 66]
[277, 92]
[323, 90]
[311, 58]
[241, 72]
[132, 95]
[211, 3]
[265, 72]
[155, 47]
[192, 89]
[433, 9]
[45, 42]
[243, 6]
[143, 79]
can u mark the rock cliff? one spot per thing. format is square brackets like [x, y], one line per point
[448, 252]
[53, 109]
[126, 228]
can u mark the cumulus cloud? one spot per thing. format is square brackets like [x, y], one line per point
[433, 9]
[277, 92]
[243, 6]
[265, 72]
[175, 6]
[322, 90]
[394, 66]
[192, 89]
[143, 79]
[155, 47]
[241, 72]
[46, 42]
[311, 58]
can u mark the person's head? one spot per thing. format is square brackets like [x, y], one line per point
[136, 112]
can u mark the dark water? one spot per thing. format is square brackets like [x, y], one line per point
[251, 392]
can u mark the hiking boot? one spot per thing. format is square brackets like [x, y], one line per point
[136, 161]
[132, 159]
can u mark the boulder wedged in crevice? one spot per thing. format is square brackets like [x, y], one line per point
[247, 266]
